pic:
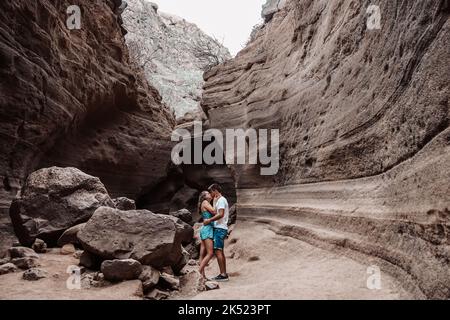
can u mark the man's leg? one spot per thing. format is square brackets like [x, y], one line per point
[221, 260]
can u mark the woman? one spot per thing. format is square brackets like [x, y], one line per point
[206, 232]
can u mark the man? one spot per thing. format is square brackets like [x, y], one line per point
[220, 221]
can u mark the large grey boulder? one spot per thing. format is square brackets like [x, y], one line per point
[119, 270]
[53, 200]
[149, 238]
[7, 268]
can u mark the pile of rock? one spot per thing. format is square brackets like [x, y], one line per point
[67, 208]
[23, 258]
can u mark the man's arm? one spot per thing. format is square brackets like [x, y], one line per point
[218, 216]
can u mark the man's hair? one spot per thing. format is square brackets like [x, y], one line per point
[215, 187]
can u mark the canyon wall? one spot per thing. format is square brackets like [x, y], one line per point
[170, 51]
[71, 98]
[363, 116]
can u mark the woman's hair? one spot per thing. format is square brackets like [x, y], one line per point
[202, 198]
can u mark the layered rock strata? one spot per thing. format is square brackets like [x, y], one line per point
[363, 115]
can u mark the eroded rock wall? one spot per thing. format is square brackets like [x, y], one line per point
[70, 98]
[364, 131]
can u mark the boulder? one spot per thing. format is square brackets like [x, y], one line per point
[70, 235]
[53, 200]
[7, 268]
[124, 204]
[137, 234]
[39, 246]
[169, 281]
[34, 274]
[77, 254]
[26, 263]
[184, 215]
[184, 231]
[89, 260]
[68, 249]
[119, 270]
[149, 277]
[182, 262]
[22, 252]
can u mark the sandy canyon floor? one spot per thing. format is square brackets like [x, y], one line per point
[262, 265]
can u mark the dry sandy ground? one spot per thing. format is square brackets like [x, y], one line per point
[264, 265]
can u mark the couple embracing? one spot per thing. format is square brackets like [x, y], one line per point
[214, 230]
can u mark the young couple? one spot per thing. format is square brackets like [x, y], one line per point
[214, 229]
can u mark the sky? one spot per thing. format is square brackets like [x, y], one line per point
[230, 21]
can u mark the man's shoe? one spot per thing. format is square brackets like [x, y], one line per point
[220, 278]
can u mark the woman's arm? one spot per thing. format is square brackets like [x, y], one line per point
[207, 206]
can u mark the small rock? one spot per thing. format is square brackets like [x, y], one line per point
[94, 280]
[124, 204]
[25, 263]
[39, 246]
[167, 270]
[192, 262]
[3, 261]
[68, 249]
[149, 277]
[53, 200]
[211, 285]
[71, 235]
[34, 274]
[77, 254]
[194, 252]
[22, 252]
[169, 281]
[89, 261]
[98, 276]
[157, 294]
[118, 270]
[8, 268]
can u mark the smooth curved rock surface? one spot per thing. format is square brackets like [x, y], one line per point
[364, 128]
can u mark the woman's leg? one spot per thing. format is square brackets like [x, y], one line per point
[202, 251]
[209, 248]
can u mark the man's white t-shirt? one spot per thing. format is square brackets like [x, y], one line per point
[222, 203]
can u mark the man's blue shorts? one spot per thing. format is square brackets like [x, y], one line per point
[219, 238]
